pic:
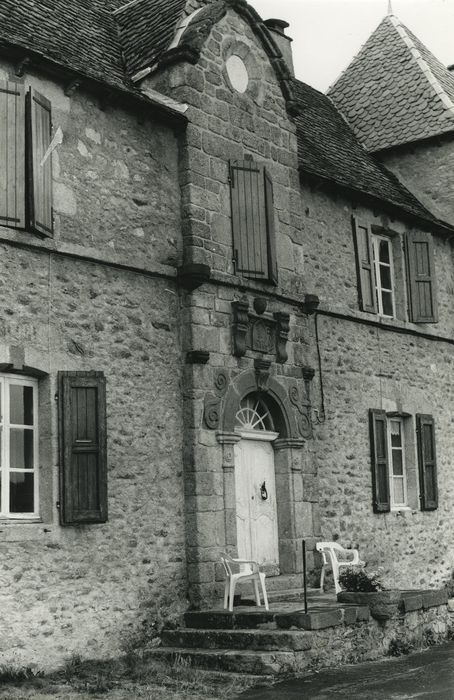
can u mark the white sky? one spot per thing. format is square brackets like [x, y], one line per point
[328, 33]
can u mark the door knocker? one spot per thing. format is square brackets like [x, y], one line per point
[263, 492]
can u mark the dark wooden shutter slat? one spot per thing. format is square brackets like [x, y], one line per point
[422, 292]
[248, 219]
[379, 460]
[272, 256]
[39, 131]
[83, 463]
[12, 155]
[427, 460]
[362, 238]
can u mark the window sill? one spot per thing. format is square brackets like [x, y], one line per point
[24, 530]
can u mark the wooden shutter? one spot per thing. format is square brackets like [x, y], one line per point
[421, 277]
[83, 464]
[379, 460]
[249, 221]
[12, 155]
[269, 201]
[362, 238]
[425, 430]
[39, 135]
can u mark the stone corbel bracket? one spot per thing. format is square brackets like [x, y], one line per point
[240, 326]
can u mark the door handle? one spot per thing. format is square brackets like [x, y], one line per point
[263, 492]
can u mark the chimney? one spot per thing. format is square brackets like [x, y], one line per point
[277, 28]
[451, 68]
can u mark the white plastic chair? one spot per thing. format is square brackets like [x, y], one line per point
[338, 556]
[247, 571]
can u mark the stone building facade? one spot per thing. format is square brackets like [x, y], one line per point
[209, 267]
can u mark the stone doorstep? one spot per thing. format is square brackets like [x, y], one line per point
[265, 640]
[314, 619]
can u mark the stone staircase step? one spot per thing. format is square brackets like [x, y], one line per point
[266, 640]
[255, 662]
[225, 620]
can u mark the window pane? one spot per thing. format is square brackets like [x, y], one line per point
[398, 491]
[385, 277]
[396, 435]
[21, 404]
[398, 467]
[383, 251]
[21, 448]
[387, 302]
[21, 493]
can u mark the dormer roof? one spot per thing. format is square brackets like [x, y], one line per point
[395, 91]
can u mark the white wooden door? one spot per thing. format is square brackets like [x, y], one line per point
[255, 488]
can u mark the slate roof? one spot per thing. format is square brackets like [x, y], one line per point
[81, 36]
[328, 149]
[78, 34]
[395, 91]
[92, 37]
[146, 29]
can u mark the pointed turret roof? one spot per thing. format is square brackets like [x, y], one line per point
[395, 91]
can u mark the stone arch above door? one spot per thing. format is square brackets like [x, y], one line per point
[249, 382]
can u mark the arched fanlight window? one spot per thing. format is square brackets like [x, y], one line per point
[254, 414]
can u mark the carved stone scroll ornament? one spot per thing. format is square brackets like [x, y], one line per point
[212, 411]
[221, 381]
[303, 420]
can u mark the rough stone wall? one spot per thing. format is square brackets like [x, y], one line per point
[366, 641]
[89, 299]
[426, 169]
[115, 179]
[367, 367]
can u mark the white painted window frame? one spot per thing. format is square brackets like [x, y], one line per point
[392, 477]
[7, 380]
[378, 288]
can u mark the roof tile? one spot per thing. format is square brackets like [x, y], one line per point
[328, 148]
[394, 66]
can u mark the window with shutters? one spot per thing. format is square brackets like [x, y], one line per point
[254, 244]
[26, 172]
[19, 447]
[395, 466]
[383, 275]
[83, 457]
[391, 284]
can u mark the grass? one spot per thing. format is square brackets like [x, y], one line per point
[131, 677]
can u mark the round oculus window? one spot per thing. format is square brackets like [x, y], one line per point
[237, 72]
